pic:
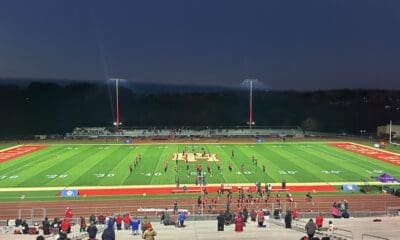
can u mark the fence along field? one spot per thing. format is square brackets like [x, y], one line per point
[114, 165]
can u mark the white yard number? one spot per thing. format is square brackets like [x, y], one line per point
[10, 177]
[245, 173]
[330, 171]
[291, 172]
[51, 176]
[374, 171]
[101, 175]
[157, 174]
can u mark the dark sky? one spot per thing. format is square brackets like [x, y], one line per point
[302, 45]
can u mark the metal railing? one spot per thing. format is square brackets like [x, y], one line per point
[387, 208]
[366, 236]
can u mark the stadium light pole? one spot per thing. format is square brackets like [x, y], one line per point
[251, 120]
[117, 118]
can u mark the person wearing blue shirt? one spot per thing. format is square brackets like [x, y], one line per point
[181, 219]
[135, 225]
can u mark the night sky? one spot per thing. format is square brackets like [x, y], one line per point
[300, 45]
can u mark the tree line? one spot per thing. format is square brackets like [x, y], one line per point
[50, 108]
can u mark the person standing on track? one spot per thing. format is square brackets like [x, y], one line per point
[68, 213]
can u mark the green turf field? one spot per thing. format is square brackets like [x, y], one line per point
[108, 165]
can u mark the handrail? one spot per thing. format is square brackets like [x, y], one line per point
[372, 236]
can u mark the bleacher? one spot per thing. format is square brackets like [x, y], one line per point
[345, 229]
[186, 132]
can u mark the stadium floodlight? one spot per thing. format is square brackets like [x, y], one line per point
[251, 120]
[117, 122]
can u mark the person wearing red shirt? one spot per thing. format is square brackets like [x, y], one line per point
[68, 213]
[127, 221]
[118, 220]
[260, 217]
[239, 223]
[295, 214]
[66, 226]
[319, 220]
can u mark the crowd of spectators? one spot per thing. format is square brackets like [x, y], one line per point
[60, 229]
[340, 209]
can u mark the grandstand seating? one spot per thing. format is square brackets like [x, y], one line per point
[99, 132]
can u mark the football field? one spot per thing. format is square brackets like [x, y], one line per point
[60, 165]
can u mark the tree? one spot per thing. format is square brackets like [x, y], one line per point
[310, 124]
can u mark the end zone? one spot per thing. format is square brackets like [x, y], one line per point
[17, 151]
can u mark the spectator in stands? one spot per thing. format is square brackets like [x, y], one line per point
[101, 219]
[35, 229]
[92, 231]
[92, 218]
[335, 212]
[310, 228]
[40, 237]
[63, 236]
[319, 220]
[149, 234]
[127, 221]
[239, 223]
[260, 218]
[228, 217]
[181, 219]
[145, 221]
[245, 215]
[66, 226]
[135, 222]
[221, 221]
[18, 222]
[345, 214]
[46, 226]
[109, 233]
[82, 224]
[167, 217]
[277, 213]
[162, 217]
[295, 214]
[25, 227]
[110, 218]
[55, 225]
[341, 207]
[118, 221]
[331, 228]
[253, 215]
[288, 219]
[346, 205]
